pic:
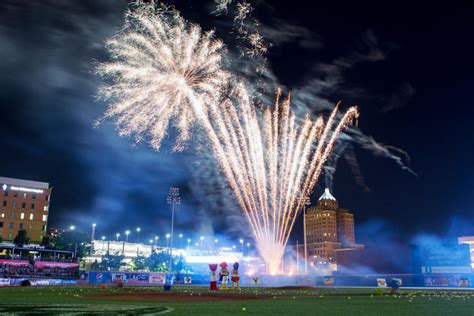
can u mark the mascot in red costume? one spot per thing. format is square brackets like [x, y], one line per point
[235, 277]
[213, 284]
[224, 276]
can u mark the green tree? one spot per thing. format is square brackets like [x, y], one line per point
[157, 262]
[74, 241]
[46, 242]
[22, 238]
[138, 263]
[108, 263]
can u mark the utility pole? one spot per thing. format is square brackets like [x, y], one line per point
[306, 201]
[173, 199]
[297, 259]
[92, 238]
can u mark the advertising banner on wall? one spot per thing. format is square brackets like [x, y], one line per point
[14, 263]
[4, 281]
[157, 278]
[62, 265]
[137, 278]
[381, 283]
[99, 277]
[328, 280]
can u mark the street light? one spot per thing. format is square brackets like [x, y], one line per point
[242, 244]
[117, 235]
[305, 201]
[215, 243]
[93, 231]
[92, 237]
[126, 235]
[138, 234]
[173, 199]
[72, 227]
[180, 241]
[201, 238]
[156, 240]
[167, 241]
[103, 244]
[233, 247]
[189, 240]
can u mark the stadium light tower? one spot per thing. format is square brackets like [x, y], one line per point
[126, 235]
[173, 199]
[242, 245]
[156, 240]
[138, 234]
[92, 237]
[189, 240]
[201, 238]
[306, 201]
[117, 235]
[180, 241]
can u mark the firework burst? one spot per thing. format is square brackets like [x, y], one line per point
[272, 163]
[158, 62]
[166, 70]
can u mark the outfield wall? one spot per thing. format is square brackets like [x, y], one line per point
[380, 280]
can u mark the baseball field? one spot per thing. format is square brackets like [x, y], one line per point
[181, 300]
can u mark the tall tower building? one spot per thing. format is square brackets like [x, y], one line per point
[329, 229]
[24, 204]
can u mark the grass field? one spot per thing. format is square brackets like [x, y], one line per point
[252, 301]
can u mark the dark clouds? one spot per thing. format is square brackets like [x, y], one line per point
[48, 109]
[413, 81]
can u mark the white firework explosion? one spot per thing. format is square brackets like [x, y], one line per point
[160, 62]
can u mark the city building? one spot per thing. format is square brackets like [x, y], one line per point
[469, 240]
[329, 230]
[24, 205]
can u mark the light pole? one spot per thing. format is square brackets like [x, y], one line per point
[180, 241]
[306, 201]
[168, 242]
[173, 199]
[138, 234]
[242, 244]
[117, 235]
[126, 235]
[92, 237]
[156, 240]
[103, 243]
[189, 240]
[71, 228]
[215, 244]
[201, 238]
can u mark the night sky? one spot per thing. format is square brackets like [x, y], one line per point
[414, 89]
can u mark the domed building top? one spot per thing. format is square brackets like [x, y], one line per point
[327, 195]
[327, 201]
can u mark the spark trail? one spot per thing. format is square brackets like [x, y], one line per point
[271, 163]
[165, 69]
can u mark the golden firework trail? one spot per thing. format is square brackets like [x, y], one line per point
[271, 162]
[164, 69]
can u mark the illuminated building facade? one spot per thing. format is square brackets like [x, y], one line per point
[329, 229]
[24, 204]
[470, 241]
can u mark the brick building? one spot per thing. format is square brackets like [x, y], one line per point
[329, 229]
[24, 204]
